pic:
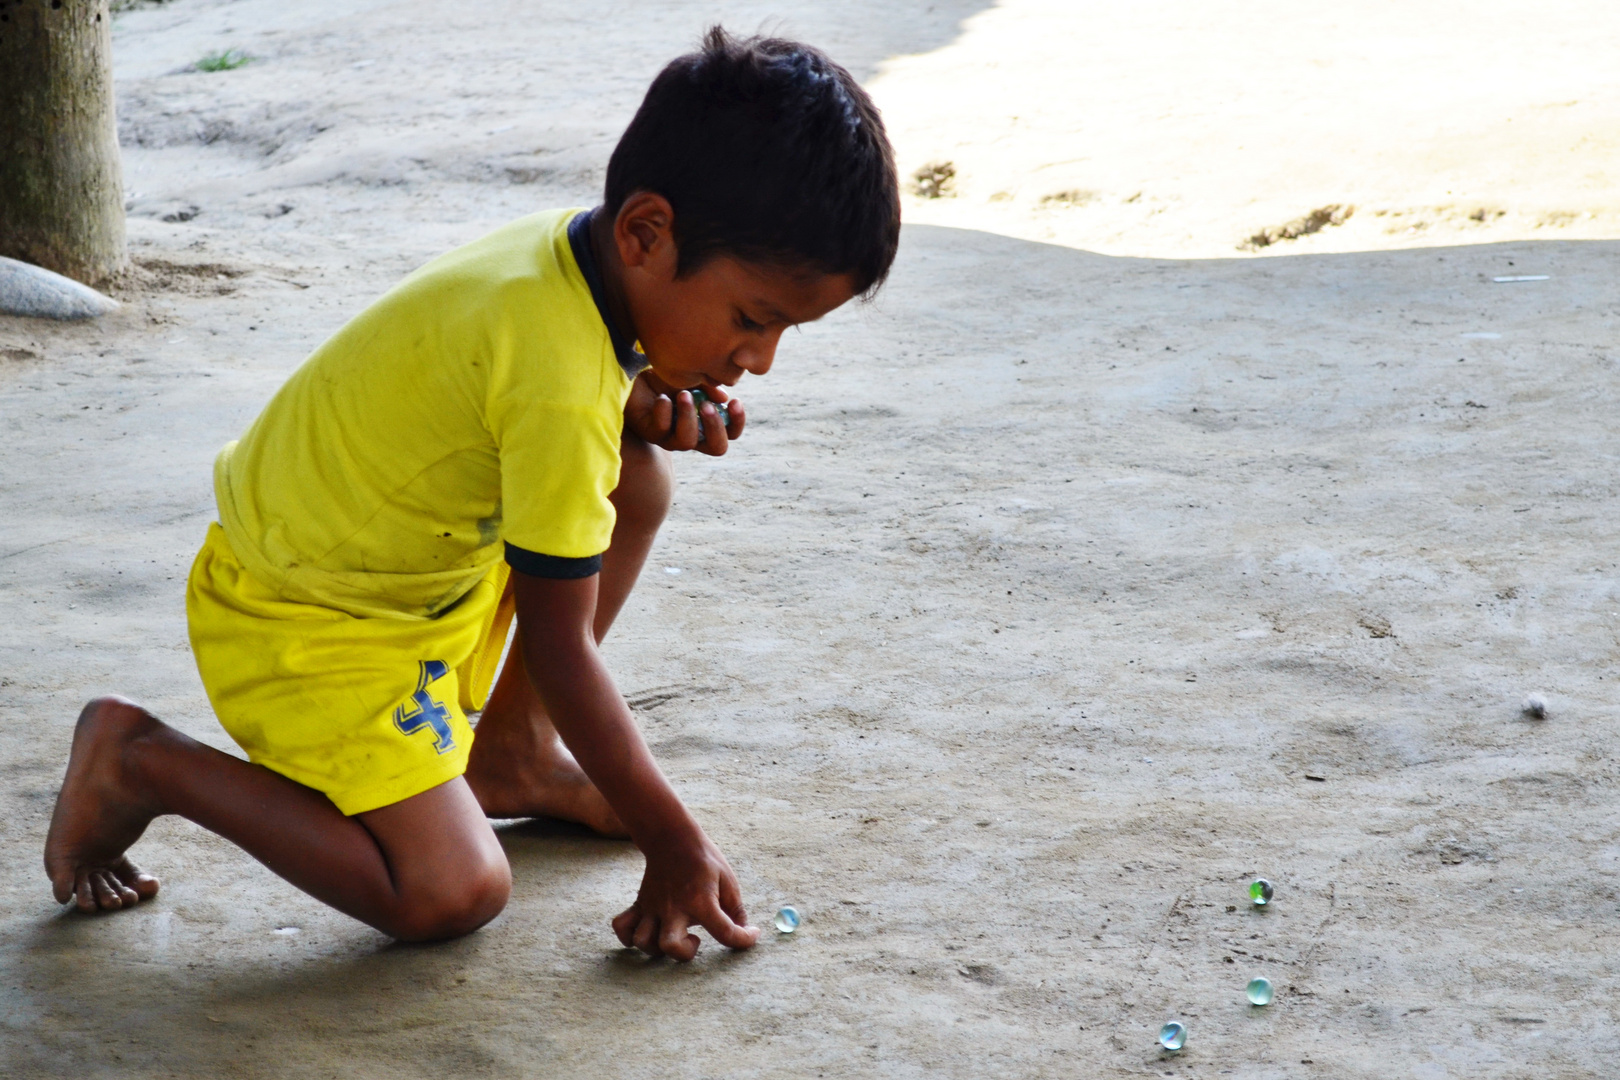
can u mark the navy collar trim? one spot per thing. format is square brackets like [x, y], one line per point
[633, 361]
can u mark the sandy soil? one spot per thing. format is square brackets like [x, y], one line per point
[1184, 128]
[1047, 600]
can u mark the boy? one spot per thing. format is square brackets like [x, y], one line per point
[489, 437]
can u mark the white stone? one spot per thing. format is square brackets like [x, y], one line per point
[26, 289]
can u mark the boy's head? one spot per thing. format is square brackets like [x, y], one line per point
[768, 152]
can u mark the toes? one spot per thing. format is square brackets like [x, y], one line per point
[84, 894]
[105, 894]
[63, 886]
[142, 885]
[112, 888]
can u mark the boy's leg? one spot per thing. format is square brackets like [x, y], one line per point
[518, 766]
[425, 868]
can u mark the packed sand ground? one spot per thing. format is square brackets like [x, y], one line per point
[1046, 601]
[1182, 128]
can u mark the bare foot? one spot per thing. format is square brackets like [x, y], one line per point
[530, 773]
[98, 814]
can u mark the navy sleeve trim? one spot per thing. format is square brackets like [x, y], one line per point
[551, 566]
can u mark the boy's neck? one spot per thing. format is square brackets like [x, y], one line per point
[606, 253]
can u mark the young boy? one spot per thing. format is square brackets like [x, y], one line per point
[492, 436]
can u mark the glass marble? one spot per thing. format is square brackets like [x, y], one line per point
[699, 397]
[1259, 991]
[1173, 1036]
[787, 920]
[1261, 892]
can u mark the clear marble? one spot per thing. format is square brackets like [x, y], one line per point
[1261, 892]
[1259, 991]
[1173, 1036]
[787, 920]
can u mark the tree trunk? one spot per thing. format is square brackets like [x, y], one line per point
[61, 188]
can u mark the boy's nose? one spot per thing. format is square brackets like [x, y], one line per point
[756, 358]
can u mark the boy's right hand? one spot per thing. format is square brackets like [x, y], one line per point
[668, 417]
[687, 882]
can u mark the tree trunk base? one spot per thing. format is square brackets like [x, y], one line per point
[61, 186]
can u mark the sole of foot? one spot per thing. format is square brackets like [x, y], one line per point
[98, 815]
[555, 787]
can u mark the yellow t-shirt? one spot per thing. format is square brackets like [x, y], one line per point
[479, 400]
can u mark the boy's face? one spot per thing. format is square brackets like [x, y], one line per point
[720, 321]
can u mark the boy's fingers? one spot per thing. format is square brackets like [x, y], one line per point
[624, 926]
[663, 413]
[714, 432]
[686, 423]
[646, 935]
[731, 899]
[724, 930]
[735, 419]
[675, 941]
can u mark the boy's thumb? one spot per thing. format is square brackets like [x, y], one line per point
[728, 933]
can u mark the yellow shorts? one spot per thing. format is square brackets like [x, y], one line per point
[368, 711]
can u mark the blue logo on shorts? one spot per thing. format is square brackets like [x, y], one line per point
[423, 712]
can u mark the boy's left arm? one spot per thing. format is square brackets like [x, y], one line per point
[687, 880]
[667, 417]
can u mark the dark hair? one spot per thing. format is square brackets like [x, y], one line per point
[769, 152]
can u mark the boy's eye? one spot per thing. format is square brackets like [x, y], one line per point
[748, 324]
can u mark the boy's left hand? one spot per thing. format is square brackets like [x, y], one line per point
[667, 417]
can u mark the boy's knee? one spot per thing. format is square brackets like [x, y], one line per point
[646, 485]
[457, 907]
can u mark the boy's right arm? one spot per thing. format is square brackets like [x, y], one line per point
[687, 880]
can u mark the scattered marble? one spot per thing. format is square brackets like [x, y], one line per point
[1261, 892]
[787, 920]
[1259, 991]
[1173, 1036]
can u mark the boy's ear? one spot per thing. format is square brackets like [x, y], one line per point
[644, 231]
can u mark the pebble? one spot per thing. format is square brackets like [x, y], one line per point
[1261, 892]
[1173, 1036]
[1259, 991]
[787, 920]
[26, 289]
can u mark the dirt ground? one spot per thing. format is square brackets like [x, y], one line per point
[1047, 600]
